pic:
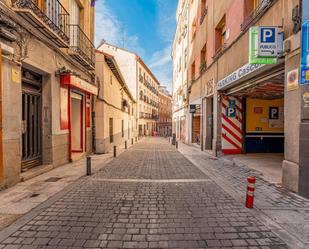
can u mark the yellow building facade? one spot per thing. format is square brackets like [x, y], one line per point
[114, 106]
[48, 84]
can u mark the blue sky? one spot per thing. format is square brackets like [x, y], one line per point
[144, 26]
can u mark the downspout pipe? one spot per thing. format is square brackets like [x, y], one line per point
[1, 124]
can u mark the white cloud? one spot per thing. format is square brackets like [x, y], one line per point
[109, 28]
[166, 19]
[160, 58]
[161, 64]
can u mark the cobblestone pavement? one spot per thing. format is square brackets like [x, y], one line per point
[288, 210]
[149, 197]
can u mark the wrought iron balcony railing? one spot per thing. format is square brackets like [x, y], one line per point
[260, 9]
[81, 47]
[203, 14]
[48, 16]
[141, 78]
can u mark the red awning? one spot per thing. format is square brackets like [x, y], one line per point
[72, 80]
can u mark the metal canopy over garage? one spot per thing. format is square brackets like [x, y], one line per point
[267, 86]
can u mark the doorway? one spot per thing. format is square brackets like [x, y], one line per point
[77, 124]
[209, 124]
[31, 120]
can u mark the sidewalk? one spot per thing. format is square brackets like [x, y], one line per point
[285, 212]
[24, 196]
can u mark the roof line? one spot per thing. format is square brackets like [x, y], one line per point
[137, 57]
[119, 76]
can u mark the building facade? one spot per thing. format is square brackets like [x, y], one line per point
[180, 53]
[246, 107]
[142, 84]
[114, 106]
[148, 104]
[165, 112]
[48, 84]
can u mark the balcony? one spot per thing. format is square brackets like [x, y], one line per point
[148, 116]
[81, 48]
[49, 17]
[141, 78]
[256, 13]
[154, 116]
[203, 14]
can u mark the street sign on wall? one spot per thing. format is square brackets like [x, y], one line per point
[231, 112]
[267, 42]
[192, 108]
[292, 80]
[255, 49]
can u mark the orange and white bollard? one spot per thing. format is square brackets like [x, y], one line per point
[250, 191]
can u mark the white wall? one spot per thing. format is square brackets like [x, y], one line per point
[127, 64]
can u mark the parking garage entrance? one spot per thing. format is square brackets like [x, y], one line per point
[252, 122]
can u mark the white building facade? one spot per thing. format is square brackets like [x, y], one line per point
[180, 76]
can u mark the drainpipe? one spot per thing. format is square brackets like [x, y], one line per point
[1, 124]
[69, 118]
[93, 131]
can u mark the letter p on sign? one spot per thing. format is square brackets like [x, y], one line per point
[273, 112]
[268, 35]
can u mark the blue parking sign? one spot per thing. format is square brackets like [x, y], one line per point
[268, 34]
[304, 67]
[231, 112]
[268, 42]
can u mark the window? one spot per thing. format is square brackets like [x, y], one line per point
[193, 71]
[220, 35]
[111, 130]
[122, 128]
[203, 63]
[252, 5]
[203, 11]
[74, 13]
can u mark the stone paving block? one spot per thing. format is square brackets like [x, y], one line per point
[157, 213]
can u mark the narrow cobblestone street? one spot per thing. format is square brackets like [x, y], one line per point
[150, 196]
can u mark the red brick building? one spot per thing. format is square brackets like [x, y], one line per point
[165, 112]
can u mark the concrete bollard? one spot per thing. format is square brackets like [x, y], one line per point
[125, 145]
[135, 139]
[176, 143]
[88, 166]
[115, 150]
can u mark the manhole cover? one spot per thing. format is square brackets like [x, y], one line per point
[53, 179]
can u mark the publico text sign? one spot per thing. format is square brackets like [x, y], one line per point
[267, 43]
[256, 46]
[238, 74]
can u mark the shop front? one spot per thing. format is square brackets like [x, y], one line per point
[75, 113]
[195, 111]
[180, 124]
[208, 117]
